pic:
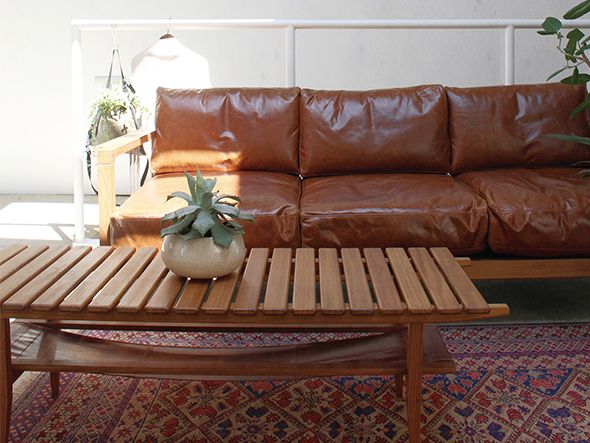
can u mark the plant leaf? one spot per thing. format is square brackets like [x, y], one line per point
[583, 105]
[186, 210]
[551, 25]
[190, 235]
[226, 209]
[168, 217]
[221, 235]
[179, 213]
[576, 78]
[578, 10]
[206, 200]
[569, 50]
[192, 186]
[247, 217]
[209, 184]
[575, 35]
[570, 138]
[235, 226]
[582, 49]
[203, 223]
[176, 228]
[228, 196]
[559, 71]
[199, 179]
[182, 195]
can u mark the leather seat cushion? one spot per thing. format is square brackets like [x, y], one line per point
[535, 212]
[272, 197]
[377, 210]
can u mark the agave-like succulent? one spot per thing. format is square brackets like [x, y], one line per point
[208, 213]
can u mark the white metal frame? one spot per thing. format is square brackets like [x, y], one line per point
[290, 27]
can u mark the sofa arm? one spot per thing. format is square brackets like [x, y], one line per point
[106, 153]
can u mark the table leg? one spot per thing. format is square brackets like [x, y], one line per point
[414, 381]
[5, 380]
[54, 379]
[399, 386]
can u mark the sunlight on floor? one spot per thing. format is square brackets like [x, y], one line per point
[51, 221]
[31, 232]
[44, 213]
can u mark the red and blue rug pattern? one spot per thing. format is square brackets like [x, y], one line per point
[528, 383]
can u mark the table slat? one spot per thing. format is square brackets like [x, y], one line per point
[83, 294]
[442, 296]
[387, 295]
[55, 294]
[359, 294]
[29, 271]
[248, 296]
[26, 295]
[464, 288]
[138, 294]
[166, 294]
[411, 290]
[7, 252]
[20, 260]
[304, 283]
[331, 296]
[276, 298]
[221, 293]
[391, 281]
[108, 297]
[192, 297]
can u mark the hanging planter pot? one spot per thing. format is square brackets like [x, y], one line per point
[108, 129]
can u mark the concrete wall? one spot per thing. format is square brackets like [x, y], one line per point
[35, 59]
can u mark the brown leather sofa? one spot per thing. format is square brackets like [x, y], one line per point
[466, 168]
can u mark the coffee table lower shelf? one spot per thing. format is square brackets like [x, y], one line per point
[40, 348]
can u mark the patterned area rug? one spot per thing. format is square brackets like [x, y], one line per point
[515, 384]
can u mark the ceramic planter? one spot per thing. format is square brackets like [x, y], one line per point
[201, 257]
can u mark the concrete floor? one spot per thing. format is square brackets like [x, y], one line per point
[49, 219]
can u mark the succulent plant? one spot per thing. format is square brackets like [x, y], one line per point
[208, 213]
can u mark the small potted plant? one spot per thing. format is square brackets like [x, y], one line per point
[204, 239]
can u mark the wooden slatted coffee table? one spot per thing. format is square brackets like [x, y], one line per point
[366, 290]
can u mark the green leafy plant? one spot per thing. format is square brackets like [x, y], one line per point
[573, 46]
[116, 104]
[208, 213]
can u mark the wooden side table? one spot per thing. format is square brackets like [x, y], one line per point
[366, 290]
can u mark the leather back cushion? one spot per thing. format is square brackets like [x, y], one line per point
[505, 126]
[225, 129]
[370, 131]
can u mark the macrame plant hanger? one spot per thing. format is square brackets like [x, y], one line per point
[128, 90]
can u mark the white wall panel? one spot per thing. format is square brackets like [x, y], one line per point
[35, 107]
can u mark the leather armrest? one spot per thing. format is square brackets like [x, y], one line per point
[106, 154]
[108, 151]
